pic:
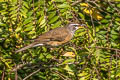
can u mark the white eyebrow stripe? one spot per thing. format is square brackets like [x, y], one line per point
[37, 45]
[74, 24]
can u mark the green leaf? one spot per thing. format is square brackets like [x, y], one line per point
[57, 24]
[114, 44]
[43, 21]
[114, 36]
[70, 71]
[68, 61]
[102, 32]
[25, 9]
[81, 15]
[13, 12]
[14, 16]
[117, 0]
[1, 30]
[104, 21]
[108, 16]
[28, 20]
[118, 5]
[29, 14]
[118, 23]
[81, 33]
[25, 4]
[114, 32]
[117, 19]
[52, 14]
[59, 0]
[53, 19]
[49, 56]
[3, 24]
[29, 28]
[23, 13]
[32, 32]
[13, 8]
[67, 67]
[30, 24]
[65, 5]
[18, 29]
[51, 7]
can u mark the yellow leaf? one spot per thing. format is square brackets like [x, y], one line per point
[88, 11]
[84, 4]
[21, 39]
[69, 54]
[5, 62]
[91, 11]
[9, 78]
[96, 15]
[16, 35]
[10, 29]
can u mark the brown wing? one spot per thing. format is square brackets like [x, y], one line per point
[58, 34]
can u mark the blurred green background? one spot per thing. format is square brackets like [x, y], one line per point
[93, 53]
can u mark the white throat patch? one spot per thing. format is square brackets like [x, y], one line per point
[74, 24]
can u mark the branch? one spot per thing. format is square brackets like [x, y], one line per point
[32, 74]
[20, 66]
[76, 2]
[99, 47]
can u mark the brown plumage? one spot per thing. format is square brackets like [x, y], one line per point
[54, 37]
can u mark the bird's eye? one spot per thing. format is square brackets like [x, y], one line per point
[74, 27]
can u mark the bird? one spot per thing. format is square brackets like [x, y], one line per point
[54, 37]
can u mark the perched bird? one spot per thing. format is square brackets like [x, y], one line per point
[55, 37]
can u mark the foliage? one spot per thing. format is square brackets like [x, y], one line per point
[95, 48]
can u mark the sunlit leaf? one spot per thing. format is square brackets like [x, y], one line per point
[68, 61]
[53, 19]
[57, 24]
[65, 5]
[52, 14]
[69, 54]
[18, 29]
[29, 28]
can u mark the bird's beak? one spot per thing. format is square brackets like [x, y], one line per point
[82, 26]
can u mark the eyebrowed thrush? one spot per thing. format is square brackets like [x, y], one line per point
[55, 37]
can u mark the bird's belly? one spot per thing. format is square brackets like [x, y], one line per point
[57, 43]
[54, 43]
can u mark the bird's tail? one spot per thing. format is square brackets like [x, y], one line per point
[26, 47]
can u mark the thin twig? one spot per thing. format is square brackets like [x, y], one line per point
[16, 77]
[74, 14]
[45, 15]
[76, 2]
[116, 66]
[98, 72]
[20, 66]
[58, 11]
[2, 38]
[99, 47]
[34, 15]
[118, 10]
[109, 68]
[31, 74]
[3, 74]
[61, 75]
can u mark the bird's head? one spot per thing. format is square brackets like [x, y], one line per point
[75, 26]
